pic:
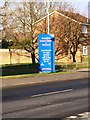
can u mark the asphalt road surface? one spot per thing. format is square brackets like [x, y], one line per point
[53, 100]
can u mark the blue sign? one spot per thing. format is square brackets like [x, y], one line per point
[46, 53]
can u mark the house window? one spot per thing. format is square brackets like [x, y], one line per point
[84, 29]
[84, 50]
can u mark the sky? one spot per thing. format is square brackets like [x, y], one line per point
[80, 5]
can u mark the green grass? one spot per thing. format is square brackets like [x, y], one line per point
[73, 66]
[20, 65]
[36, 74]
[21, 70]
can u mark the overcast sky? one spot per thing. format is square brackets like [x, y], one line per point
[80, 5]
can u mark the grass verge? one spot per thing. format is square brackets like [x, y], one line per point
[36, 74]
[25, 70]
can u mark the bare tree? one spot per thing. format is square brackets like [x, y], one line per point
[23, 28]
[68, 33]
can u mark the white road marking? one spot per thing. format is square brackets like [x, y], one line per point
[81, 115]
[38, 95]
[85, 114]
[72, 117]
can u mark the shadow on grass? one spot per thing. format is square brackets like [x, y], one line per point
[8, 70]
[20, 69]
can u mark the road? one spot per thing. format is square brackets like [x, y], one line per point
[53, 100]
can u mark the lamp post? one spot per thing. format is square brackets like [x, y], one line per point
[1, 34]
[48, 14]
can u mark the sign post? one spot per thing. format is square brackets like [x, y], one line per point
[46, 53]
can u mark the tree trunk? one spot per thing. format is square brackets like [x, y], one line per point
[74, 54]
[33, 57]
[10, 52]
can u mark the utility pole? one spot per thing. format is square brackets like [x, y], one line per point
[48, 16]
[89, 10]
[4, 22]
[24, 26]
[1, 26]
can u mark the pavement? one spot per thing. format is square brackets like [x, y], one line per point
[44, 78]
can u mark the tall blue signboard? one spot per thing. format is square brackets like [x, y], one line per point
[46, 53]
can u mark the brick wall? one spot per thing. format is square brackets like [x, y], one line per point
[21, 56]
[14, 56]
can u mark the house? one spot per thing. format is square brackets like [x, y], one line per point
[60, 23]
[86, 48]
[58, 30]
